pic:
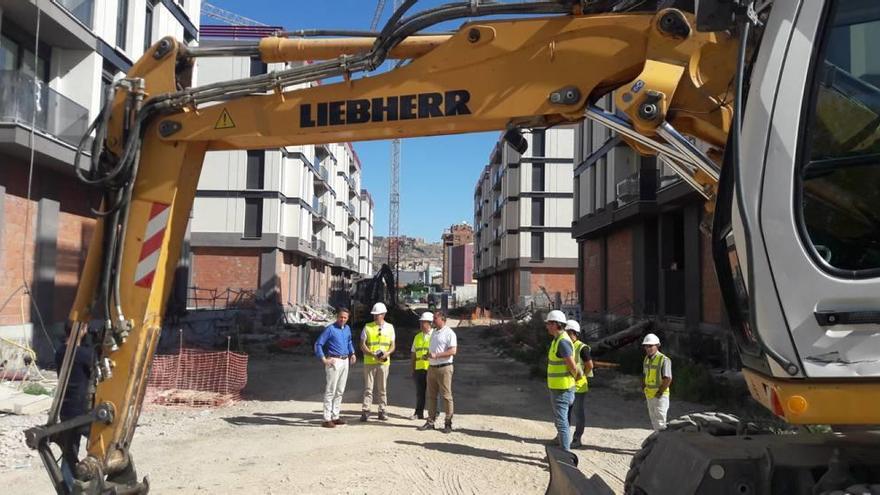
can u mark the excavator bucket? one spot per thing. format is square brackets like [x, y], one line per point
[567, 479]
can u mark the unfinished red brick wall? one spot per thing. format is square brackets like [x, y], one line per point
[290, 276]
[711, 292]
[76, 228]
[620, 272]
[561, 280]
[12, 251]
[224, 268]
[591, 299]
[17, 255]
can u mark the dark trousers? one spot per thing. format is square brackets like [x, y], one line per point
[421, 379]
[578, 416]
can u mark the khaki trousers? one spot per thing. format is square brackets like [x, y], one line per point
[375, 374]
[439, 382]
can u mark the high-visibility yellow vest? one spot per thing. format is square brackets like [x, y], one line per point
[582, 385]
[558, 377]
[378, 339]
[653, 369]
[420, 344]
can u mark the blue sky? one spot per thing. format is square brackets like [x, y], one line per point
[437, 174]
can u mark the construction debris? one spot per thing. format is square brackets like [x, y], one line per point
[192, 398]
[295, 314]
[17, 401]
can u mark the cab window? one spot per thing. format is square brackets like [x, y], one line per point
[840, 176]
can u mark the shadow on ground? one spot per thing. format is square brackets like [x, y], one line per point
[458, 449]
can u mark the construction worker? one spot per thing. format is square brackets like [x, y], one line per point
[419, 361]
[562, 374]
[657, 370]
[335, 350]
[442, 348]
[584, 362]
[377, 343]
[75, 402]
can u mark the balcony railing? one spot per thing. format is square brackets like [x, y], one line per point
[322, 177]
[319, 207]
[496, 179]
[628, 190]
[350, 180]
[81, 9]
[56, 114]
[318, 245]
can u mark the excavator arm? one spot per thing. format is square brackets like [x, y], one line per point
[669, 81]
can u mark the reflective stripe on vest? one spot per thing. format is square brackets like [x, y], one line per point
[420, 343]
[377, 339]
[582, 385]
[653, 370]
[558, 376]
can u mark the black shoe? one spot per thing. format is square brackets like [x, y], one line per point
[429, 425]
[447, 427]
[364, 416]
[382, 416]
[576, 444]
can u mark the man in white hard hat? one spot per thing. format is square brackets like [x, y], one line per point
[657, 372]
[377, 344]
[583, 359]
[419, 362]
[562, 374]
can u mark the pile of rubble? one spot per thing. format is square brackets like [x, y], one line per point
[295, 314]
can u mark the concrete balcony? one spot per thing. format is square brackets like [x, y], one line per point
[321, 179]
[59, 123]
[67, 24]
[319, 246]
[56, 115]
[319, 212]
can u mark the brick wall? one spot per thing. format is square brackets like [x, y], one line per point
[224, 268]
[561, 280]
[591, 299]
[75, 228]
[620, 272]
[13, 250]
[711, 293]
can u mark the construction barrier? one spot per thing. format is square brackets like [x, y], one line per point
[197, 378]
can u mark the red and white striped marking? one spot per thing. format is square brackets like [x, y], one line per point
[155, 233]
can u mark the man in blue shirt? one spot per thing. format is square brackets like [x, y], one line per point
[335, 350]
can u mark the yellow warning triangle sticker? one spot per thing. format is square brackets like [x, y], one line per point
[225, 121]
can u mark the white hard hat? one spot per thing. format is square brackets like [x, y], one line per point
[379, 309]
[427, 316]
[573, 325]
[651, 339]
[557, 316]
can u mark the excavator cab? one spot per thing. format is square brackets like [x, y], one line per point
[795, 243]
[800, 218]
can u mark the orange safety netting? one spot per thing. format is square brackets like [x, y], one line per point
[197, 378]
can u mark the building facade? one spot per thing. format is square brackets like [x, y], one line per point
[456, 235]
[642, 252]
[290, 225]
[461, 265]
[523, 247]
[367, 216]
[80, 48]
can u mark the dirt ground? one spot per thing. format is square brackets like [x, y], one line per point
[273, 442]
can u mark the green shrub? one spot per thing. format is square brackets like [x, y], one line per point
[35, 389]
